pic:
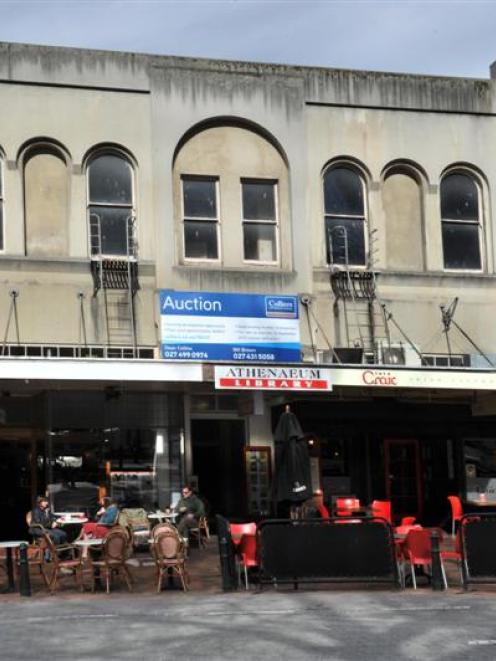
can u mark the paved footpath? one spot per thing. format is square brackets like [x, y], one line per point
[331, 625]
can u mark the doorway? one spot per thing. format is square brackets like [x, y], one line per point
[17, 486]
[218, 456]
[403, 483]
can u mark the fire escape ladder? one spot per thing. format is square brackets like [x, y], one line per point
[117, 277]
[355, 292]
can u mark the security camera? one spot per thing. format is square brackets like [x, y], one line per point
[305, 299]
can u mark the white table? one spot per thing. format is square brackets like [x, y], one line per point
[163, 516]
[10, 565]
[69, 521]
[69, 514]
[92, 541]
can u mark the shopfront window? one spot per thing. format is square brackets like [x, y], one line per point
[131, 449]
[480, 467]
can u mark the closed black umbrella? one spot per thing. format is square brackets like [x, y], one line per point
[292, 481]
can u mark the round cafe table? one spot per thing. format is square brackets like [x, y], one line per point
[10, 565]
[163, 516]
[93, 541]
[71, 520]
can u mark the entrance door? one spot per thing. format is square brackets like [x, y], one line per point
[218, 447]
[403, 484]
[15, 487]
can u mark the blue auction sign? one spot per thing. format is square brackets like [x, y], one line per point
[244, 327]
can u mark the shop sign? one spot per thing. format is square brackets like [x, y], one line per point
[272, 378]
[420, 377]
[234, 327]
[379, 378]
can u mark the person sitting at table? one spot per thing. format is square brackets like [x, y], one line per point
[189, 509]
[314, 508]
[44, 521]
[107, 517]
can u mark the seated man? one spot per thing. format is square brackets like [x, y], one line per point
[189, 508]
[42, 516]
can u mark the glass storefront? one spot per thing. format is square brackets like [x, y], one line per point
[80, 445]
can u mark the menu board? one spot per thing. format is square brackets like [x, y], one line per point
[258, 478]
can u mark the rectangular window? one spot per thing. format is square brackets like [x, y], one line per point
[345, 240]
[200, 218]
[260, 225]
[108, 230]
[461, 245]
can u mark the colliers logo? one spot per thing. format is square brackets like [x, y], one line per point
[281, 306]
[378, 378]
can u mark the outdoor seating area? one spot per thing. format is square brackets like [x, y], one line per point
[133, 554]
[319, 549]
[312, 547]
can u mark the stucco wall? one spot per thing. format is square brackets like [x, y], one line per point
[151, 105]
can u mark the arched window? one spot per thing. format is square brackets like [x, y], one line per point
[231, 197]
[110, 205]
[460, 222]
[344, 208]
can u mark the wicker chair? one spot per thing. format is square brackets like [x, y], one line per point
[34, 550]
[168, 550]
[112, 560]
[163, 527]
[56, 562]
[201, 532]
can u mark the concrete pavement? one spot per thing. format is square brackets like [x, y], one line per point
[316, 624]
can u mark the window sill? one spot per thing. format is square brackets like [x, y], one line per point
[244, 268]
[383, 273]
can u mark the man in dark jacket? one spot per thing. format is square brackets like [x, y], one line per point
[42, 516]
[189, 508]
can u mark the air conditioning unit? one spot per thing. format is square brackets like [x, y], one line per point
[345, 355]
[398, 354]
[324, 356]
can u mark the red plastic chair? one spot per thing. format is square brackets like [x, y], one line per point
[324, 512]
[382, 509]
[455, 554]
[237, 531]
[346, 506]
[248, 554]
[417, 551]
[456, 511]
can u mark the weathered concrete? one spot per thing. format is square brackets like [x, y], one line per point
[335, 625]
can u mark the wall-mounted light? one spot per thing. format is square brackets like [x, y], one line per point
[159, 444]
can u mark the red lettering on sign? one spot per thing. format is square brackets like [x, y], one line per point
[373, 378]
[274, 384]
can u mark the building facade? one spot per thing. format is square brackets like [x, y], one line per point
[368, 196]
